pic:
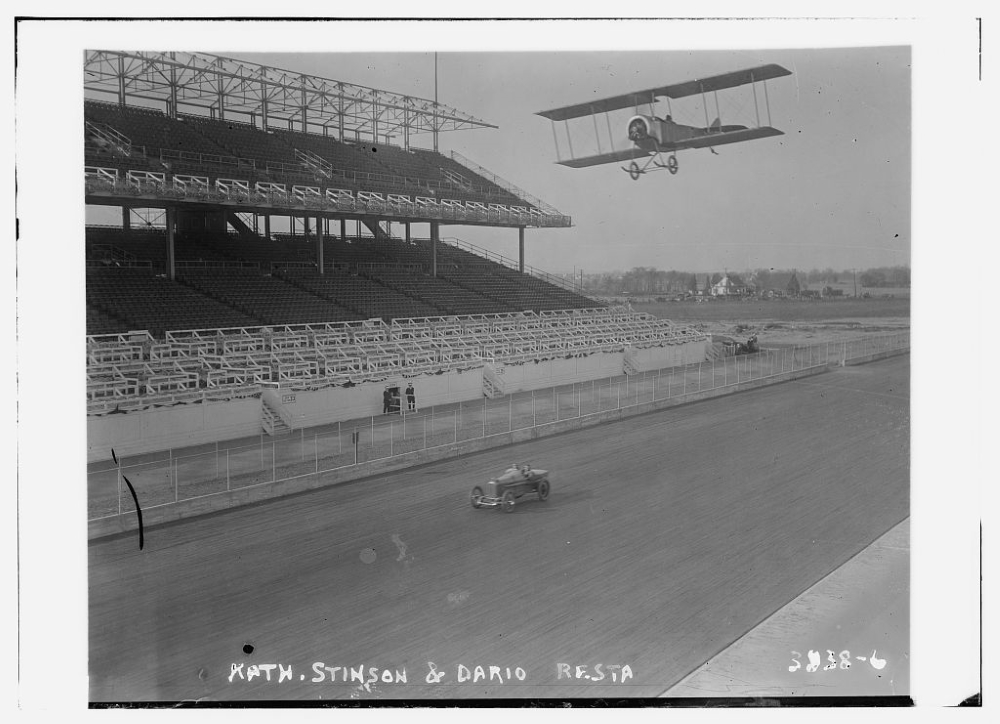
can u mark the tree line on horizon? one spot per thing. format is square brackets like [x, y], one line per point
[650, 280]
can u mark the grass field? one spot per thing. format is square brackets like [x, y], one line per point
[782, 310]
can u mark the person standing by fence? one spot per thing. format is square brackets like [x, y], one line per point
[411, 398]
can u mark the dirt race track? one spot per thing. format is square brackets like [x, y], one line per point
[666, 537]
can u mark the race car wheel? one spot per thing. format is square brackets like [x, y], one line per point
[477, 496]
[507, 502]
[543, 489]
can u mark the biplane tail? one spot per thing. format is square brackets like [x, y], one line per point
[717, 127]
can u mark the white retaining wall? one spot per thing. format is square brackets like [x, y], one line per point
[562, 371]
[336, 404]
[162, 428]
[157, 429]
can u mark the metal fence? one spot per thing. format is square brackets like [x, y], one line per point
[170, 476]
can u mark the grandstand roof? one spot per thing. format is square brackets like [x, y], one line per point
[226, 86]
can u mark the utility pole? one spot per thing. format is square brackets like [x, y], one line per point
[434, 125]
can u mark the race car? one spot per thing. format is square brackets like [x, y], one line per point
[516, 481]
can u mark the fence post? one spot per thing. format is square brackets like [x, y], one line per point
[273, 463]
[423, 422]
[390, 438]
[216, 460]
[579, 401]
[456, 424]
[340, 442]
[316, 450]
[176, 495]
[302, 444]
[373, 432]
[533, 423]
[484, 416]
[699, 377]
[618, 389]
[227, 468]
[685, 381]
[119, 487]
[510, 413]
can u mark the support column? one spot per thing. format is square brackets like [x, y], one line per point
[319, 244]
[407, 227]
[520, 248]
[435, 235]
[343, 229]
[267, 226]
[126, 218]
[171, 225]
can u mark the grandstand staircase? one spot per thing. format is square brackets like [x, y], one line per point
[493, 386]
[107, 137]
[378, 232]
[715, 351]
[271, 421]
[455, 178]
[630, 365]
[315, 163]
[240, 226]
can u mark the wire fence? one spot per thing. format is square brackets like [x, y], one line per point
[172, 476]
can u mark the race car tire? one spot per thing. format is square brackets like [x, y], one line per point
[507, 502]
[477, 496]
[543, 489]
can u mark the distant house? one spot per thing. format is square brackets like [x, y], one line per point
[730, 285]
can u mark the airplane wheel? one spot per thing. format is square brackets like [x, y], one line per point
[633, 171]
[672, 164]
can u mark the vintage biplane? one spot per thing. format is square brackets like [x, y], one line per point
[651, 137]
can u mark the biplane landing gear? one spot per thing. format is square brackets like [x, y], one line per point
[672, 164]
[634, 171]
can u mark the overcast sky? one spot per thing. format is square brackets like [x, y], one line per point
[834, 191]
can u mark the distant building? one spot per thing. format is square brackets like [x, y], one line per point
[730, 285]
[782, 284]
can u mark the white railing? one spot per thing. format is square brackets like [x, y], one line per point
[307, 453]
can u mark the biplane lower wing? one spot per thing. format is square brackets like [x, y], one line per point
[721, 139]
[611, 157]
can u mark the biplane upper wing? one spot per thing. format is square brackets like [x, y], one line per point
[721, 139]
[610, 157]
[677, 90]
[726, 80]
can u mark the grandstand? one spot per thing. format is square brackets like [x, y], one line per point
[209, 304]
